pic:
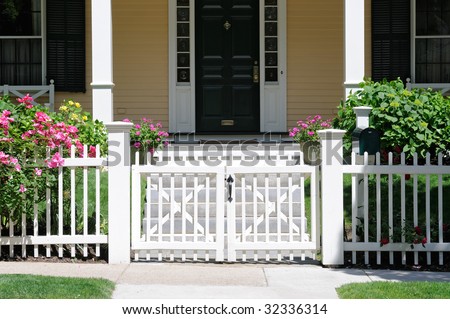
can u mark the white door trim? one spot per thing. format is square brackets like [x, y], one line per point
[273, 98]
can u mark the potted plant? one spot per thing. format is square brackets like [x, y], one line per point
[306, 135]
[146, 137]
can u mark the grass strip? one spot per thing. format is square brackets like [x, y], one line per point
[395, 290]
[43, 287]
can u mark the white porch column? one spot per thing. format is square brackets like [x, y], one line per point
[354, 44]
[102, 61]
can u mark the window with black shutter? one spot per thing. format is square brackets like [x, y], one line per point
[21, 42]
[66, 53]
[391, 39]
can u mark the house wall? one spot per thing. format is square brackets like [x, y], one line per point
[315, 70]
[315, 39]
[140, 61]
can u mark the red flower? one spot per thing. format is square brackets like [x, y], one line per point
[418, 230]
[384, 241]
[407, 177]
[424, 241]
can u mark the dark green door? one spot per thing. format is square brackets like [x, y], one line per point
[227, 66]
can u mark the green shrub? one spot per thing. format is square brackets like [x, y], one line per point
[416, 121]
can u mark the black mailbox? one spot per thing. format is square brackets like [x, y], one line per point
[366, 140]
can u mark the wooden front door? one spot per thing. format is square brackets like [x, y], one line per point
[227, 66]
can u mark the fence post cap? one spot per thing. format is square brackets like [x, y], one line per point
[118, 127]
[331, 134]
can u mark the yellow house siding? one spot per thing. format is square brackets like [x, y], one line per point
[314, 57]
[140, 61]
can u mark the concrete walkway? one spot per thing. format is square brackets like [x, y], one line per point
[225, 281]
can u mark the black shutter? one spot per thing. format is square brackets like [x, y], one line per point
[66, 52]
[391, 39]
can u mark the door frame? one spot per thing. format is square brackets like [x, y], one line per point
[273, 99]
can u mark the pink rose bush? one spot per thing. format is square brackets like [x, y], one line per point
[33, 144]
[148, 136]
[307, 130]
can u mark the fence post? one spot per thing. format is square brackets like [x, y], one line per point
[332, 197]
[119, 202]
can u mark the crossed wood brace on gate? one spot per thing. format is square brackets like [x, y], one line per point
[225, 213]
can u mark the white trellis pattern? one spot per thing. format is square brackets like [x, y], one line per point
[224, 211]
[267, 216]
[176, 214]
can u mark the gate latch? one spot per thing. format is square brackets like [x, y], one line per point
[230, 182]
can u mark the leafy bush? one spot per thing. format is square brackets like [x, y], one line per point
[416, 121]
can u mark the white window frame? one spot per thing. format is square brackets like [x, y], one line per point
[414, 37]
[43, 38]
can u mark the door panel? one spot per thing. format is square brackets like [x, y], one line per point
[227, 48]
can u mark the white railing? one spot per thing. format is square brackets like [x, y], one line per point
[378, 216]
[443, 87]
[224, 204]
[35, 91]
[66, 224]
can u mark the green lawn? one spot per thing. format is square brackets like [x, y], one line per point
[41, 287]
[395, 290]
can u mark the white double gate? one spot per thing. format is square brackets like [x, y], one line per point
[225, 212]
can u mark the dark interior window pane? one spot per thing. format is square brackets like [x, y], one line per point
[421, 23]
[183, 29]
[271, 44]
[445, 50]
[183, 60]
[20, 17]
[434, 24]
[446, 5]
[421, 50]
[421, 5]
[183, 45]
[271, 74]
[183, 14]
[271, 13]
[421, 70]
[434, 5]
[445, 26]
[271, 29]
[271, 59]
[433, 50]
[183, 75]
[433, 73]
[445, 73]
[20, 62]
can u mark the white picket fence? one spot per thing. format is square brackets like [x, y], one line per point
[184, 208]
[43, 229]
[388, 214]
[239, 206]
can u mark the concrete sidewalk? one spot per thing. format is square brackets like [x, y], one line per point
[225, 281]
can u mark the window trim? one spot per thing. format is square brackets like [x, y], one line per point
[43, 38]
